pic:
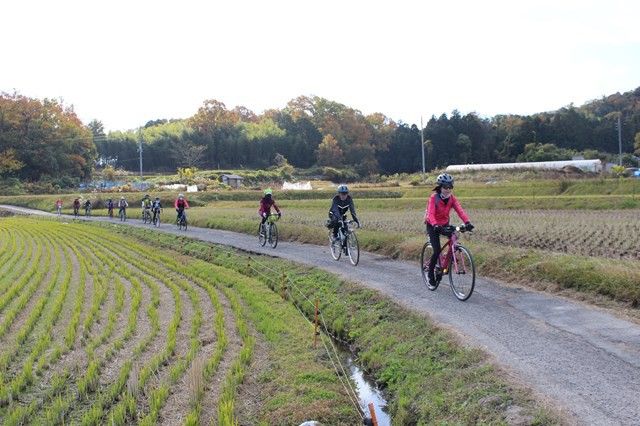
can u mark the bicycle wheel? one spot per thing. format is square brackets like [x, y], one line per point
[425, 259]
[262, 234]
[353, 248]
[184, 223]
[462, 278]
[273, 238]
[335, 247]
[157, 222]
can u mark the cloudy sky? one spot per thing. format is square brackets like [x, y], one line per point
[128, 62]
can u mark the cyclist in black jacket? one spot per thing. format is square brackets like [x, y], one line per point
[341, 203]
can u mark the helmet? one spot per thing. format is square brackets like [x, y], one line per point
[157, 198]
[146, 195]
[445, 179]
[343, 189]
[268, 191]
[180, 195]
[122, 198]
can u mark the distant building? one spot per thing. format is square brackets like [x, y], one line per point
[234, 181]
[594, 166]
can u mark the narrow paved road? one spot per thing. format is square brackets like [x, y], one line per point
[585, 360]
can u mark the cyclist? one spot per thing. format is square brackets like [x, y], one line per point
[110, 206]
[341, 203]
[266, 203]
[59, 206]
[437, 215]
[123, 206]
[87, 207]
[180, 204]
[76, 206]
[156, 207]
[146, 204]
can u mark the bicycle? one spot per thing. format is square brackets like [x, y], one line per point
[110, 212]
[59, 211]
[123, 214]
[146, 216]
[181, 222]
[156, 219]
[460, 268]
[346, 243]
[87, 211]
[75, 211]
[268, 231]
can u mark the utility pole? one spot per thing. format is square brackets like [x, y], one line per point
[422, 146]
[619, 127]
[140, 150]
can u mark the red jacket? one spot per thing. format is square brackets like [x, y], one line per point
[440, 214]
[265, 206]
[184, 205]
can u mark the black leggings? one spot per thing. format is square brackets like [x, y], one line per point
[434, 238]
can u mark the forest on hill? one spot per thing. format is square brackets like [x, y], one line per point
[42, 140]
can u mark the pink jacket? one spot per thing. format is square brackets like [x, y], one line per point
[265, 206]
[440, 214]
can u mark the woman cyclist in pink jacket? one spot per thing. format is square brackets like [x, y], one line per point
[437, 215]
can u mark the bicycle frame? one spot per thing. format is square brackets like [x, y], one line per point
[445, 259]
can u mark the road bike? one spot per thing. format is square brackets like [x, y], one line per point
[146, 216]
[87, 211]
[156, 219]
[123, 214]
[455, 260]
[75, 211]
[181, 222]
[346, 243]
[268, 231]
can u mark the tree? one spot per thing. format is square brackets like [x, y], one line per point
[329, 153]
[636, 144]
[8, 162]
[187, 154]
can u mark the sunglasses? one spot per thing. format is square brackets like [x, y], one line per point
[449, 187]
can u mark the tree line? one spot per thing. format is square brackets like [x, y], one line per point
[43, 139]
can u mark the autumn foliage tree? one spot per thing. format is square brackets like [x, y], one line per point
[43, 139]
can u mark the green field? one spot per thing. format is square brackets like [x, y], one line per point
[104, 324]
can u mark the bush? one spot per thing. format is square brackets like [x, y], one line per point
[340, 176]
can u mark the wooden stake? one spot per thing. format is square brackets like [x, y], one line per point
[315, 336]
[284, 288]
[373, 414]
[248, 272]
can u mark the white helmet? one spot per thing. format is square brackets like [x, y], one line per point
[180, 195]
[122, 198]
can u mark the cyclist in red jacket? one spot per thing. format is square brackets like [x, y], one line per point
[266, 203]
[437, 215]
[180, 204]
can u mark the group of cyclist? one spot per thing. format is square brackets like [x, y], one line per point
[153, 207]
[435, 219]
[436, 215]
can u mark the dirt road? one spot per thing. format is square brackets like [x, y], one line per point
[585, 360]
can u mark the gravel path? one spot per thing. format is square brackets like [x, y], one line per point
[584, 360]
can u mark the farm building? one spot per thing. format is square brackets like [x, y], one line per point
[233, 181]
[594, 166]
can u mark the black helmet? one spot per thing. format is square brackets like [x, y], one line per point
[445, 179]
[343, 189]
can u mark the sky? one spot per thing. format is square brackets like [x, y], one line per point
[127, 62]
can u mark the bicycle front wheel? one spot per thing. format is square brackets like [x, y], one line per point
[273, 238]
[353, 248]
[335, 247]
[157, 222]
[425, 259]
[262, 234]
[462, 274]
